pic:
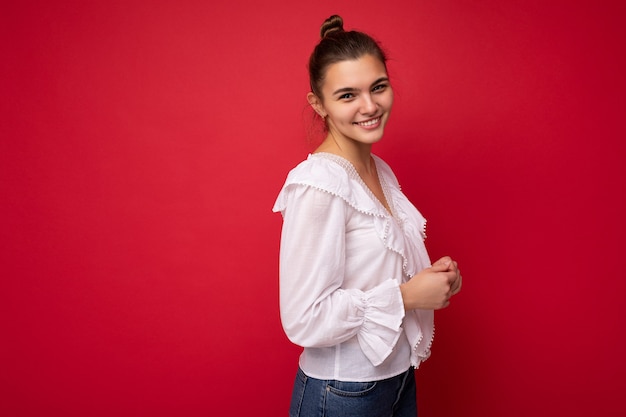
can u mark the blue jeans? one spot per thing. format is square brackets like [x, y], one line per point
[329, 398]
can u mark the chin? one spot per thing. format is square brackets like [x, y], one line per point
[371, 138]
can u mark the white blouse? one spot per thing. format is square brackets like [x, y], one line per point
[342, 259]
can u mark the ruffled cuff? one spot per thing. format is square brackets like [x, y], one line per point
[419, 328]
[382, 320]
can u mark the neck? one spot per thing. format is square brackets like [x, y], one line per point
[359, 154]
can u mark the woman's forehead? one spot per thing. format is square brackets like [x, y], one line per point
[356, 73]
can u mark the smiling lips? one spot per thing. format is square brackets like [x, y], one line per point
[369, 124]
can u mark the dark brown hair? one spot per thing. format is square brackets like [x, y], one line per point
[338, 45]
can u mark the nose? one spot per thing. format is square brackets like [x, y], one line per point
[368, 106]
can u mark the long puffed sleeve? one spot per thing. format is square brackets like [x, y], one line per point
[317, 310]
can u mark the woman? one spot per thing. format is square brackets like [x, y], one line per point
[357, 290]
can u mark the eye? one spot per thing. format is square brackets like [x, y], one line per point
[346, 96]
[379, 87]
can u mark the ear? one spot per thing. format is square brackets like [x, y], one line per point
[316, 103]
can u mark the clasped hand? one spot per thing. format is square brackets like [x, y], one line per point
[432, 288]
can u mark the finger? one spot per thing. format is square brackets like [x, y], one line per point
[439, 267]
[452, 277]
[443, 261]
[457, 285]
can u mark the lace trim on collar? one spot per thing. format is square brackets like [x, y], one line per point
[354, 175]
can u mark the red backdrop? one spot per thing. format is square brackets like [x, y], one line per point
[143, 144]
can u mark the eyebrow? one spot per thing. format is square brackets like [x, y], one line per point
[352, 89]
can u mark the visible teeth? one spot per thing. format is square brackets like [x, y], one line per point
[369, 122]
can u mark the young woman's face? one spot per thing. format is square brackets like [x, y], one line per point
[357, 100]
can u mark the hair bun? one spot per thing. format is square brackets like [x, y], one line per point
[330, 25]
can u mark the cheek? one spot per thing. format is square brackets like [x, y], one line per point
[388, 101]
[341, 114]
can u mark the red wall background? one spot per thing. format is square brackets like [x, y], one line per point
[143, 144]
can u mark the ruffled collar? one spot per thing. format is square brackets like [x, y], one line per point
[335, 175]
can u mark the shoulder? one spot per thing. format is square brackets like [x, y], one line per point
[319, 171]
[330, 175]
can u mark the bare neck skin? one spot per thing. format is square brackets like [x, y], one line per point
[359, 154]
